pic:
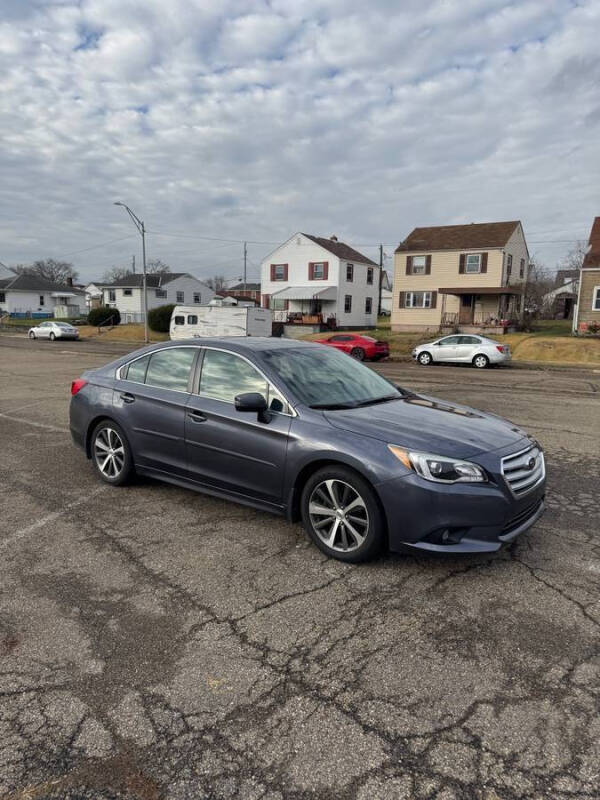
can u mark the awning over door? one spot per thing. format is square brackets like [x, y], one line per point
[306, 293]
[497, 290]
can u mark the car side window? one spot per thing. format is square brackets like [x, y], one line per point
[136, 371]
[171, 368]
[225, 375]
[450, 340]
[468, 340]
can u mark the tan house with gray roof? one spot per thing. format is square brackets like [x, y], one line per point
[460, 277]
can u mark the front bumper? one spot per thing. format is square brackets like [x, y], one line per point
[458, 518]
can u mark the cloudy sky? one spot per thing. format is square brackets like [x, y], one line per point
[252, 119]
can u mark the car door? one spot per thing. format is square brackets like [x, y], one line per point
[340, 342]
[445, 350]
[43, 331]
[232, 450]
[150, 401]
[467, 347]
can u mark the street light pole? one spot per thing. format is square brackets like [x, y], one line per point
[142, 230]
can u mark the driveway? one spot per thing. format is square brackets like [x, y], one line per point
[155, 643]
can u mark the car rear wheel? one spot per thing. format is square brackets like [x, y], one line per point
[111, 453]
[424, 359]
[32, 335]
[480, 361]
[342, 515]
[358, 353]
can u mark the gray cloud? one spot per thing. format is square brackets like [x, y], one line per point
[251, 120]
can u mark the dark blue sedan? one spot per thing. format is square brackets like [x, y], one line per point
[308, 432]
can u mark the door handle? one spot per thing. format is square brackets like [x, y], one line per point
[127, 398]
[196, 416]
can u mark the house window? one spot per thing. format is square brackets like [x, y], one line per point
[348, 304]
[2, 297]
[368, 305]
[417, 300]
[349, 273]
[42, 300]
[369, 276]
[278, 305]
[160, 293]
[522, 268]
[112, 295]
[127, 293]
[508, 265]
[180, 297]
[318, 271]
[418, 265]
[596, 299]
[197, 297]
[279, 272]
[473, 262]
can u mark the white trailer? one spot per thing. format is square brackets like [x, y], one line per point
[190, 321]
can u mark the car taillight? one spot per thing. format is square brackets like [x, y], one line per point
[501, 348]
[77, 386]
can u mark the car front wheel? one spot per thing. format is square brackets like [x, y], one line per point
[32, 335]
[424, 359]
[52, 337]
[111, 453]
[480, 361]
[342, 515]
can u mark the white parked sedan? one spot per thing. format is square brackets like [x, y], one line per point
[54, 330]
[463, 348]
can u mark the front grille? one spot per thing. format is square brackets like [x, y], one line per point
[522, 517]
[524, 471]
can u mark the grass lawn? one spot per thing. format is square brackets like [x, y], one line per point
[133, 332]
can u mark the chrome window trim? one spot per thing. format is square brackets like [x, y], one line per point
[208, 397]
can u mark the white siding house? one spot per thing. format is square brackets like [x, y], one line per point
[26, 295]
[126, 294]
[312, 280]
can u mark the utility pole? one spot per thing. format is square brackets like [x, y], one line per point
[142, 231]
[380, 279]
[133, 263]
[245, 260]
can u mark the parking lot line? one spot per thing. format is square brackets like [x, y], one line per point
[35, 424]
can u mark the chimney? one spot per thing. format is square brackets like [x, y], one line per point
[333, 238]
[69, 281]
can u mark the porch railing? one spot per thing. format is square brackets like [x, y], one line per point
[297, 318]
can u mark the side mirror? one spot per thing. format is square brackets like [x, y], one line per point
[253, 402]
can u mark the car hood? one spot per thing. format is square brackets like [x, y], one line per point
[418, 422]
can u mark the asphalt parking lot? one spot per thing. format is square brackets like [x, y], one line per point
[156, 643]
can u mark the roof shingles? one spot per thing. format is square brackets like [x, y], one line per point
[459, 237]
[341, 250]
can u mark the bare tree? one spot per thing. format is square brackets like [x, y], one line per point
[539, 282]
[574, 258]
[50, 270]
[157, 267]
[216, 283]
[115, 274]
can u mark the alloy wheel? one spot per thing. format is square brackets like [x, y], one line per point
[481, 362]
[109, 452]
[358, 353]
[32, 335]
[424, 359]
[338, 515]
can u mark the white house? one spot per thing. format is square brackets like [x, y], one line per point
[171, 287]
[312, 281]
[93, 295]
[26, 295]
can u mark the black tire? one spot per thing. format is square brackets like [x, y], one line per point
[367, 518]
[122, 463]
[32, 335]
[425, 358]
[480, 361]
[52, 337]
[358, 353]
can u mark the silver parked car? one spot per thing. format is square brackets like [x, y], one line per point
[54, 330]
[463, 348]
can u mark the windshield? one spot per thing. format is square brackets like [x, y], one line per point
[323, 377]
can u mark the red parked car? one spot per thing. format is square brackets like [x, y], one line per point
[358, 346]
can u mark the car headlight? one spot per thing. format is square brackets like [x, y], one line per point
[439, 469]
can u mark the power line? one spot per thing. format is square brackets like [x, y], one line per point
[95, 246]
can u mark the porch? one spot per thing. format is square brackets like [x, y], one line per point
[305, 305]
[488, 310]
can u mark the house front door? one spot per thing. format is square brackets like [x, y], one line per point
[466, 309]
